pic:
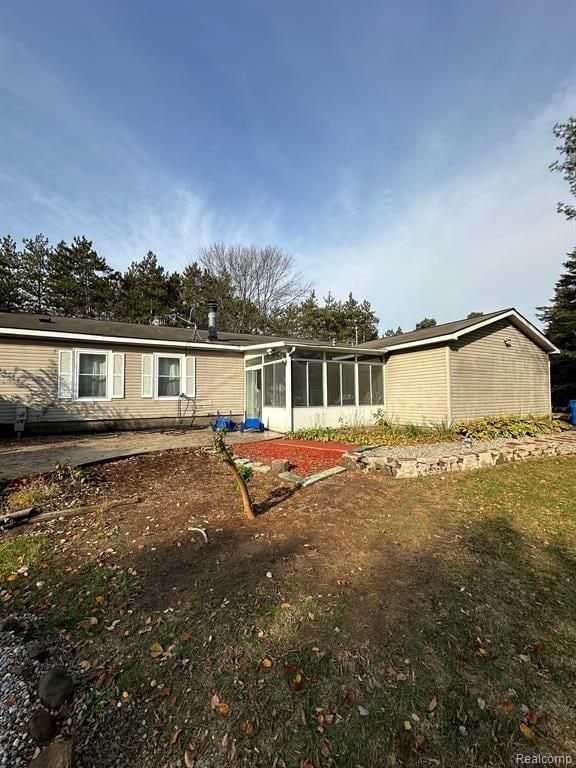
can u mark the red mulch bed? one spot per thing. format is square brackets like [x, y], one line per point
[305, 456]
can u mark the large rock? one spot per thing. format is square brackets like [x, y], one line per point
[55, 687]
[279, 465]
[42, 726]
[59, 754]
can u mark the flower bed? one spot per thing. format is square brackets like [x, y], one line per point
[306, 457]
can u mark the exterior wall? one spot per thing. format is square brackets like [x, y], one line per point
[489, 378]
[417, 386]
[29, 375]
[333, 416]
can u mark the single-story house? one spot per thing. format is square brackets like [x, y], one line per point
[63, 374]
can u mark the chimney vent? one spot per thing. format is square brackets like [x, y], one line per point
[212, 320]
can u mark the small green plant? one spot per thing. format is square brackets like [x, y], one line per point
[246, 472]
[511, 426]
[380, 419]
[63, 472]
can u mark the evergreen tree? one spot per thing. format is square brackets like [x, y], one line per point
[343, 322]
[148, 293]
[472, 315]
[560, 316]
[427, 322]
[392, 332]
[34, 269]
[10, 291]
[79, 280]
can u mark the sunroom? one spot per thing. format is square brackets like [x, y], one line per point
[293, 388]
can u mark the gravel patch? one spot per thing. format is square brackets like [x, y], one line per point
[435, 451]
[19, 674]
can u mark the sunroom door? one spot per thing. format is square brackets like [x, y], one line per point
[254, 393]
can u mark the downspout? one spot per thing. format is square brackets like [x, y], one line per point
[289, 408]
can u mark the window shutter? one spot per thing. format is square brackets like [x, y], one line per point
[190, 383]
[65, 381]
[147, 376]
[118, 375]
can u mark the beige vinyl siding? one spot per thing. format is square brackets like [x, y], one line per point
[29, 374]
[489, 378]
[417, 386]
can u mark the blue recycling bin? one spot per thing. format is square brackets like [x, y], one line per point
[572, 404]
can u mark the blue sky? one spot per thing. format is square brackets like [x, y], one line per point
[398, 150]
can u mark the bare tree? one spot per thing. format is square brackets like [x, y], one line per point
[264, 279]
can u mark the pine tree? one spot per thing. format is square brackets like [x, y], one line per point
[10, 291]
[148, 293]
[79, 280]
[34, 269]
[560, 316]
[392, 332]
[427, 322]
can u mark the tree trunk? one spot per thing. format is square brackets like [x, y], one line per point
[246, 500]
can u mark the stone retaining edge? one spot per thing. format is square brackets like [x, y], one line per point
[563, 445]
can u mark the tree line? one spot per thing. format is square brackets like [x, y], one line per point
[560, 316]
[257, 289]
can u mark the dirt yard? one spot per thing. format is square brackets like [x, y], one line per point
[359, 622]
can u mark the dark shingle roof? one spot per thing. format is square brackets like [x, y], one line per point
[136, 331]
[444, 329]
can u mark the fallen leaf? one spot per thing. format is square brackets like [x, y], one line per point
[175, 736]
[214, 700]
[266, 663]
[305, 763]
[156, 650]
[527, 732]
[481, 702]
[507, 705]
[351, 696]
[100, 600]
[433, 704]
[249, 728]
[190, 756]
[289, 668]
[362, 711]
[297, 682]
[285, 606]
[223, 708]
[407, 725]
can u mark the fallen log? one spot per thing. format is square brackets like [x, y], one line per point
[15, 518]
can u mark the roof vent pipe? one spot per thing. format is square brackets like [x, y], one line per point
[212, 320]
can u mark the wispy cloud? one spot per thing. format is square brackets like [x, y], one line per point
[487, 238]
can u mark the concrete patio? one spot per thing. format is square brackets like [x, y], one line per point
[36, 455]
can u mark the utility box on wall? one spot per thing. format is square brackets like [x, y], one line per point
[20, 419]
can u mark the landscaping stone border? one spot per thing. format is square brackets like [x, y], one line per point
[291, 477]
[514, 450]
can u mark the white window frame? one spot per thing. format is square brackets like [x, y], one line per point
[156, 368]
[76, 375]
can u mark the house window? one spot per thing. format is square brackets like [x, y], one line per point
[275, 385]
[169, 376]
[92, 375]
[341, 383]
[370, 384]
[307, 384]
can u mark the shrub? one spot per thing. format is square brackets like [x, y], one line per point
[511, 426]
